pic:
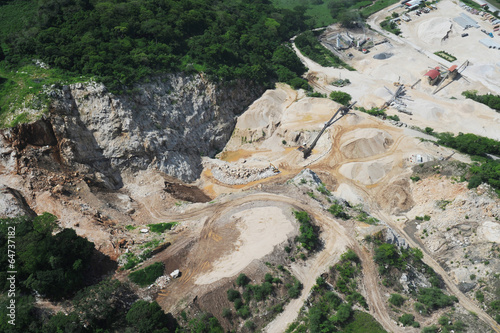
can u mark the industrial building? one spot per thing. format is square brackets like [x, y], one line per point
[412, 4]
[490, 43]
[433, 75]
[465, 21]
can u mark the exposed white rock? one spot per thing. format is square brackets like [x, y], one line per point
[166, 124]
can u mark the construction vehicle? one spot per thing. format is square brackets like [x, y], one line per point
[343, 110]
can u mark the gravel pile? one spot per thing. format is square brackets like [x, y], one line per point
[382, 56]
[234, 174]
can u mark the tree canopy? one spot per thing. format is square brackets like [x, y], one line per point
[51, 264]
[122, 41]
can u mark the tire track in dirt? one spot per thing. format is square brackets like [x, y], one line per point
[336, 239]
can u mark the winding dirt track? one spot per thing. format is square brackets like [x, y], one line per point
[429, 260]
[337, 238]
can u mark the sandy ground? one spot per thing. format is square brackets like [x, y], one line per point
[261, 229]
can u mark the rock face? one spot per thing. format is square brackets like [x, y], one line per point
[167, 124]
[12, 203]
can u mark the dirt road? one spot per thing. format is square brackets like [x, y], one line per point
[450, 285]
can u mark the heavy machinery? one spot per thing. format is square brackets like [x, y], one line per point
[453, 73]
[343, 110]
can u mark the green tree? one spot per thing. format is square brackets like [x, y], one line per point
[147, 317]
[51, 264]
[101, 305]
[204, 323]
[233, 294]
[344, 312]
[396, 299]
[242, 280]
[61, 322]
[340, 97]
[25, 316]
[406, 319]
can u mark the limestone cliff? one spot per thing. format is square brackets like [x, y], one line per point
[166, 124]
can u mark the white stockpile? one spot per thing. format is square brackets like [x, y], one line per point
[236, 174]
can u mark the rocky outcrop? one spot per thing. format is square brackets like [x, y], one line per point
[392, 237]
[12, 203]
[166, 124]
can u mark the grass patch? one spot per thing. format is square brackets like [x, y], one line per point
[377, 6]
[445, 56]
[363, 322]
[148, 275]
[130, 227]
[161, 227]
[23, 90]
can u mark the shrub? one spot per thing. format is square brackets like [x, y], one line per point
[443, 320]
[415, 178]
[337, 210]
[278, 308]
[320, 281]
[419, 307]
[294, 291]
[406, 319]
[387, 255]
[147, 317]
[430, 329]
[244, 312]
[268, 278]
[344, 312]
[434, 298]
[161, 227]
[232, 295]
[250, 325]
[148, 275]
[226, 313]
[242, 280]
[396, 299]
[238, 303]
[479, 296]
[341, 97]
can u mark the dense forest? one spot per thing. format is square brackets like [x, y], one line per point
[55, 263]
[122, 41]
